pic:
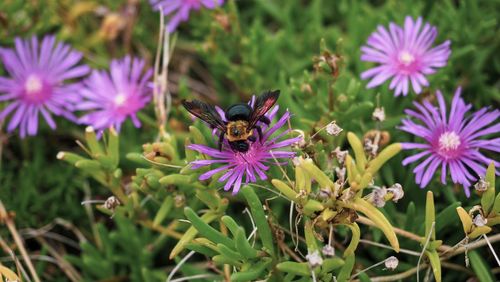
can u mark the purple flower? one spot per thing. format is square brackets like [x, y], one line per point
[451, 142]
[251, 164]
[36, 83]
[405, 55]
[178, 10]
[115, 95]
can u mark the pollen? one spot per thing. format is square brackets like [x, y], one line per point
[406, 58]
[33, 84]
[120, 99]
[449, 141]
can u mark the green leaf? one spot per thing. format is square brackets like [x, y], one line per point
[356, 235]
[260, 218]
[430, 216]
[488, 197]
[206, 230]
[243, 246]
[253, 273]
[297, 268]
[435, 264]
[482, 270]
[359, 152]
[386, 154]
[164, 210]
[346, 270]
[190, 234]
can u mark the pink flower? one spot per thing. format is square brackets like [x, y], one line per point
[112, 97]
[451, 141]
[36, 83]
[404, 55]
[252, 164]
[178, 10]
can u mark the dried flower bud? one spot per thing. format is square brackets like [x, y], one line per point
[301, 143]
[333, 129]
[328, 251]
[179, 200]
[379, 114]
[377, 197]
[111, 203]
[391, 262]
[324, 193]
[371, 147]
[302, 194]
[340, 155]
[479, 220]
[397, 192]
[314, 259]
[482, 185]
[340, 172]
[296, 161]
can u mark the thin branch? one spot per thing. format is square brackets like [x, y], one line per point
[19, 242]
[427, 240]
[184, 259]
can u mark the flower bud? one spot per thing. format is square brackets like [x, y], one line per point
[111, 203]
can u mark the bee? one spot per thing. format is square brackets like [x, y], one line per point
[241, 119]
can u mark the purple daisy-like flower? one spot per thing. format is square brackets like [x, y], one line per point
[251, 164]
[405, 55]
[114, 96]
[36, 83]
[178, 10]
[451, 141]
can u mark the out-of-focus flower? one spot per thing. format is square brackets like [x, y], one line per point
[333, 129]
[178, 10]
[111, 97]
[451, 142]
[314, 259]
[391, 262]
[340, 155]
[251, 164]
[397, 192]
[36, 85]
[405, 55]
[379, 114]
[328, 251]
[481, 185]
[479, 220]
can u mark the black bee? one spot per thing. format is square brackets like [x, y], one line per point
[241, 119]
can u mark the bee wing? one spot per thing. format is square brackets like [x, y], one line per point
[263, 103]
[205, 112]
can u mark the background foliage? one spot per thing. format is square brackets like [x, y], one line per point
[224, 56]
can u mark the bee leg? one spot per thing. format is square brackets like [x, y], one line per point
[252, 138]
[221, 140]
[265, 120]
